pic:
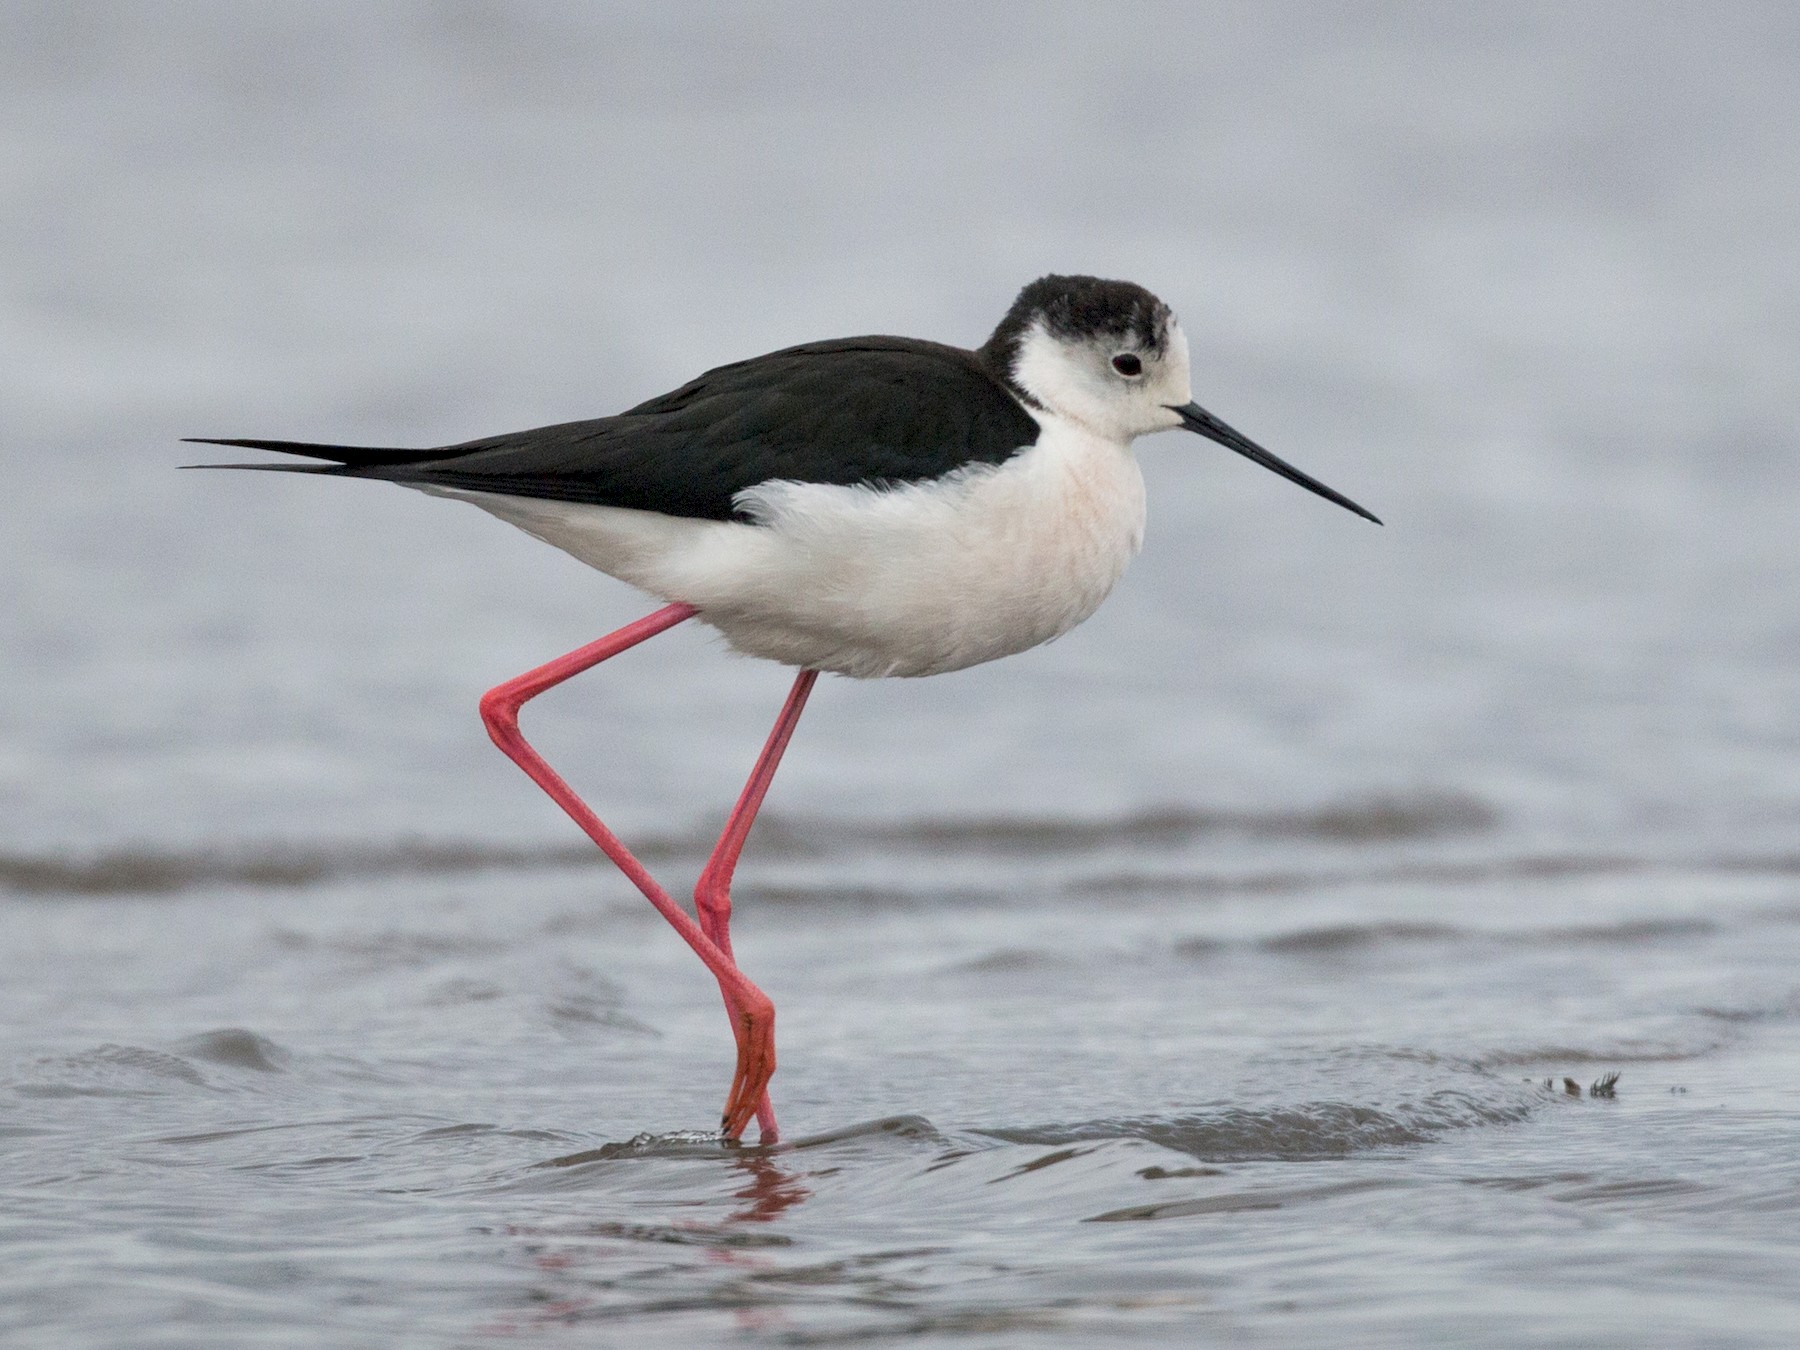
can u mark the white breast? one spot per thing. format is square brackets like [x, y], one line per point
[913, 580]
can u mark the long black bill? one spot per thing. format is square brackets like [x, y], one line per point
[1197, 419]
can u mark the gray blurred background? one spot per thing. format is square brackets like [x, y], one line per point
[1520, 278]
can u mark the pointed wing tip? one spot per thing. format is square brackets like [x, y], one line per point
[208, 440]
[267, 467]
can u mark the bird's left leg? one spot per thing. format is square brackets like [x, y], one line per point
[712, 897]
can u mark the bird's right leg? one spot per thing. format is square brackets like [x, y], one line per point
[712, 896]
[754, 1024]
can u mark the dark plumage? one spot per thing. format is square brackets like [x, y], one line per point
[871, 410]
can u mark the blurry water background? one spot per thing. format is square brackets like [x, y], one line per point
[1210, 975]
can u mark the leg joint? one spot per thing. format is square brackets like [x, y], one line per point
[499, 708]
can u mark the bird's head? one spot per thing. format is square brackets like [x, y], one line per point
[1107, 354]
[1111, 356]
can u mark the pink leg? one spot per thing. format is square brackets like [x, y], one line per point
[753, 1021]
[712, 897]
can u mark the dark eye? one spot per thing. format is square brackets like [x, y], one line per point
[1127, 364]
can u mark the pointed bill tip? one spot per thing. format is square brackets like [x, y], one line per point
[1202, 423]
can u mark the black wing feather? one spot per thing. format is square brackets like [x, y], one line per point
[344, 456]
[861, 410]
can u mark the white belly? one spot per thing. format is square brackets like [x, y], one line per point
[914, 580]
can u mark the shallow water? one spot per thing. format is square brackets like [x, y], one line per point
[1350, 1104]
[1238, 969]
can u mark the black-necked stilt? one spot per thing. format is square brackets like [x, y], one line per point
[871, 506]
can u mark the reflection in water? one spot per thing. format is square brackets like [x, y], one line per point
[580, 1268]
[772, 1191]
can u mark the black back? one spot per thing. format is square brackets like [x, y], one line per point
[871, 410]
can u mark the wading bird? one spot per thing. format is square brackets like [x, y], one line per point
[870, 506]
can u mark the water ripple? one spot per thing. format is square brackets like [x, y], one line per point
[154, 871]
[1305, 1133]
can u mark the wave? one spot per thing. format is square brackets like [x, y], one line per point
[710, 1143]
[1342, 939]
[152, 871]
[148, 870]
[1463, 872]
[1375, 819]
[1311, 1132]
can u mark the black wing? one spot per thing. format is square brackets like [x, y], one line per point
[873, 410]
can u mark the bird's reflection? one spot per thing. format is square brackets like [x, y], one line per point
[772, 1188]
[578, 1264]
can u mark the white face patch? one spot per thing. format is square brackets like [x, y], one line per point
[1077, 379]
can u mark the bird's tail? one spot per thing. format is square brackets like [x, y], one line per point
[354, 460]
